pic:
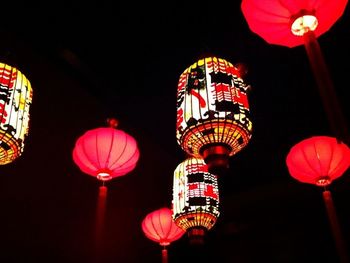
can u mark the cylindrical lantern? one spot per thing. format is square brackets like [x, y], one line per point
[15, 100]
[159, 227]
[318, 160]
[213, 116]
[106, 152]
[195, 197]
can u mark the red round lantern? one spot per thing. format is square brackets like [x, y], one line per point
[283, 22]
[293, 23]
[106, 153]
[159, 227]
[318, 160]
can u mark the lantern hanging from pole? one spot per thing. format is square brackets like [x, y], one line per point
[105, 153]
[319, 160]
[195, 198]
[159, 227]
[213, 116]
[294, 23]
[15, 100]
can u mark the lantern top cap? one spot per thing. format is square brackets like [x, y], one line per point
[112, 122]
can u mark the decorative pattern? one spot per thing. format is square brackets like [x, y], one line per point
[212, 107]
[195, 195]
[15, 100]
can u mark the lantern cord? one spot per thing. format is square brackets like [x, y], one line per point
[337, 234]
[164, 255]
[326, 89]
[100, 216]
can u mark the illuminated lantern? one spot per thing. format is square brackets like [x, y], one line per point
[159, 227]
[15, 100]
[195, 198]
[213, 117]
[319, 160]
[294, 23]
[105, 153]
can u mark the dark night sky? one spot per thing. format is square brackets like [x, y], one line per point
[90, 61]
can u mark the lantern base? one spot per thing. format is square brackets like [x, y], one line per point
[217, 158]
[196, 235]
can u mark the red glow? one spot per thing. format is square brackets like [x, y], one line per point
[272, 20]
[100, 217]
[106, 153]
[318, 160]
[160, 227]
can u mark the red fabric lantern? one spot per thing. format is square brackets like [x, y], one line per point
[159, 227]
[292, 23]
[283, 22]
[105, 153]
[213, 116]
[319, 160]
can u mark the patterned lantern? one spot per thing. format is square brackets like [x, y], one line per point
[105, 153]
[213, 117]
[159, 227]
[293, 23]
[195, 198]
[15, 100]
[319, 160]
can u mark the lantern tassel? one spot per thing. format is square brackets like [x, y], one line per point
[326, 89]
[100, 216]
[337, 234]
[164, 255]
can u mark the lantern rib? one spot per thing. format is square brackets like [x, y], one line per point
[13, 70]
[308, 162]
[340, 159]
[110, 148]
[161, 239]
[3, 108]
[86, 155]
[97, 152]
[122, 152]
[331, 158]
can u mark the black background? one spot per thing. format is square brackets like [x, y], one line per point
[88, 61]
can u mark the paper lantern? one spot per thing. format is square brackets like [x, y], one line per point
[294, 23]
[195, 198]
[284, 22]
[319, 160]
[15, 100]
[105, 153]
[213, 116]
[159, 227]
